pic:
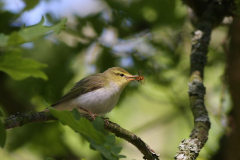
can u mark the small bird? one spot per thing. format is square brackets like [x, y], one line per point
[96, 94]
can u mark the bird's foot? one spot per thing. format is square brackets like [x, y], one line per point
[90, 113]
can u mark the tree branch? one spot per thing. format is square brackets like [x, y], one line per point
[211, 16]
[22, 119]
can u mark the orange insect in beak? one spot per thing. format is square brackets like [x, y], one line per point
[132, 77]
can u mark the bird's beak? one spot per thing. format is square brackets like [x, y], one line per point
[131, 78]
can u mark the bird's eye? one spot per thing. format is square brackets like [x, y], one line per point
[121, 75]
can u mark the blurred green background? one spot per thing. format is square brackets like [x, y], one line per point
[151, 36]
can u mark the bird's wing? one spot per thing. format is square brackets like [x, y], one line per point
[83, 86]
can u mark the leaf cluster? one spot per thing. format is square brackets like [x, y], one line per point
[92, 132]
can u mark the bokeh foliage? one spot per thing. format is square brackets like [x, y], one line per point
[150, 36]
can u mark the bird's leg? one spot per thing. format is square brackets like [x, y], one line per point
[90, 113]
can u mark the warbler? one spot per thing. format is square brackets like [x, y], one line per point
[97, 94]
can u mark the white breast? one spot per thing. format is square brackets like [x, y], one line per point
[100, 101]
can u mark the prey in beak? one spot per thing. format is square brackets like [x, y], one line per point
[138, 78]
[132, 77]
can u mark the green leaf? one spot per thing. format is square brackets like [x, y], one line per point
[111, 139]
[98, 124]
[109, 151]
[92, 132]
[15, 38]
[82, 126]
[19, 68]
[2, 134]
[104, 150]
[45, 104]
[76, 114]
[28, 34]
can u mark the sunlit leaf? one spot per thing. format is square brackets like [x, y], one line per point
[20, 68]
[28, 34]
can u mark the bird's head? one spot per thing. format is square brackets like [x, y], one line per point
[119, 76]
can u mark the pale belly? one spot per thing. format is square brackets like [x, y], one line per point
[100, 101]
